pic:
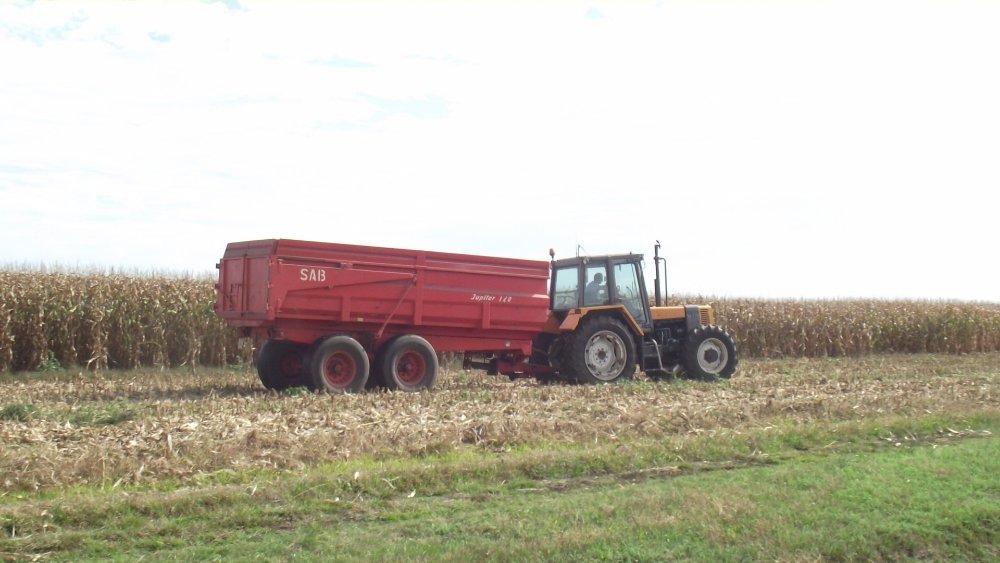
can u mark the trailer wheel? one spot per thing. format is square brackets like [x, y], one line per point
[709, 354]
[600, 351]
[339, 364]
[409, 363]
[281, 365]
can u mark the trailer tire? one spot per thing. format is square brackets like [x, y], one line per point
[282, 364]
[601, 350]
[408, 363]
[339, 364]
[709, 354]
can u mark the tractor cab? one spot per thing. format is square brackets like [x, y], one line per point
[588, 282]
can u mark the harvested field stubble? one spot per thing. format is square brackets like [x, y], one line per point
[140, 427]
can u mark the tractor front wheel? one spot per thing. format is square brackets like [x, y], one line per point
[709, 354]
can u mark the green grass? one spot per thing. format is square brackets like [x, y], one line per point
[19, 412]
[87, 415]
[102, 413]
[891, 488]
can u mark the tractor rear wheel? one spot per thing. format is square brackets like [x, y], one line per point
[709, 354]
[601, 350]
[281, 365]
[339, 364]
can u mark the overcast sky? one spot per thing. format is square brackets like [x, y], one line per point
[780, 149]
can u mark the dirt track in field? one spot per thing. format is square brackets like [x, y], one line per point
[123, 428]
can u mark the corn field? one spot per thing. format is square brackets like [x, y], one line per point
[828, 328]
[109, 321]
[100, 321]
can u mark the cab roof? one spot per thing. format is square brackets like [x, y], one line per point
[577, 260]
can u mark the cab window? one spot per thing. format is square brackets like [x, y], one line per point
[629, 294]
[566, 292]
[596, 292]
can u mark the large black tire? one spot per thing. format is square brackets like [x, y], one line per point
[339, 364]
[601, 350]
[709, 354]
[408, 363]
[281, 365]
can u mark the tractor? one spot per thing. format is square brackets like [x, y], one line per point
[601, 326]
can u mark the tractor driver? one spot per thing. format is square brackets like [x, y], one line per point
[595, 292]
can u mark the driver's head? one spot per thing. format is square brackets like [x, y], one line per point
[598, 277]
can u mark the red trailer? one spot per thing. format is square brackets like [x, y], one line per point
[340, 317]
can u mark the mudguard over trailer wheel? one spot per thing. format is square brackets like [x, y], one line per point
[601, 350]
[709, 354]
[408, 363]
[281, 365]
[339, 364]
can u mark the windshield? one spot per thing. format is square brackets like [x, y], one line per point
[627, 280]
